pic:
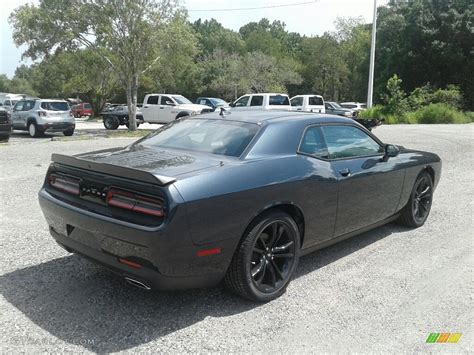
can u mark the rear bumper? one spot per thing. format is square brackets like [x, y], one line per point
[57, 126]
[167, 260]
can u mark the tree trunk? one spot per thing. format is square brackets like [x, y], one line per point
[131, 92]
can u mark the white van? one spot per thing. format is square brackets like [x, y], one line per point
[308, 103]
[262, 101]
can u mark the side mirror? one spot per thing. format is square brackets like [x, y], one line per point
[391, 151]
[232, 104]
[170, 103]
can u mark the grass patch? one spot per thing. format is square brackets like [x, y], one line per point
[129, 134]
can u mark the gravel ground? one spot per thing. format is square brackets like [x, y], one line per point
[383, 291]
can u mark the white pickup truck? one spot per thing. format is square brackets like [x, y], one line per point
[262, 101]
[164, 108]
[308, 103]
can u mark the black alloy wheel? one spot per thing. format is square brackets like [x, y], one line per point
[272, 257]
[418, 207]
[266, 259]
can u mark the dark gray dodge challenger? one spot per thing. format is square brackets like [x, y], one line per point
[237, 198]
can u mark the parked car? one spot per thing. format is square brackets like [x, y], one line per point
[40, 116]
[5, 125]
[238, 198]
[82, 109]
[117, 115]
[8, 101]
[335, 109]
[161, 108]
[355, 106]
[212, 102]
[308, 103]
[262, 101]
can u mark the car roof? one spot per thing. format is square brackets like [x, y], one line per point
[264, 117]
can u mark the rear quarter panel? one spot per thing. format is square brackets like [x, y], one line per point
[414, 163]
[222, 204]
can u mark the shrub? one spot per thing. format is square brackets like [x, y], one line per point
[426, 95]
[436, 113]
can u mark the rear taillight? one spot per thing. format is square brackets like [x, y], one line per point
[71, 114]
[135, 202]
[42, 113]
[64, 183]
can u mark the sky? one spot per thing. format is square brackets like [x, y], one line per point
[309, 19]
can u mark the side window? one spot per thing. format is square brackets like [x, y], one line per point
[202, 102]
[28, 105]
[297, 101]
[315, 100]
[313, 143]
[327, 106]
[19, 106]
[242, 101]
[349, 141]
[256, 100]
[164, 100]
[152, 100]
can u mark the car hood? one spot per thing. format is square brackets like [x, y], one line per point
[157, 161]
[193, 107]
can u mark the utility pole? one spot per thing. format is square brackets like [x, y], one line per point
[370, 91]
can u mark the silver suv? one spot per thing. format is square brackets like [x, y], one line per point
[39, 116]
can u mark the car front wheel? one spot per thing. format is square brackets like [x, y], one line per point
[266, 259]
[418, 208]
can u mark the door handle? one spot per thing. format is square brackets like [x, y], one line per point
[145, 106]
[345, 172]
[161, 108]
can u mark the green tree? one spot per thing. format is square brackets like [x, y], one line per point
[128, 35]
[427, 41]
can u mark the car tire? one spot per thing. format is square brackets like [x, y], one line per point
[68, 132]
[418, 208]
[266, 258]
[111, 122]
[33, 130]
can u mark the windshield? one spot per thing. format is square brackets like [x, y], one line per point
[336, 105]
[181, 100]
[55, 106]
[218, 102]
[210, 136]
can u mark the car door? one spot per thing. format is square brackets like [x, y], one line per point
[297, 103]
[320, 187]
[151, 108]
[369, 185]
[241, 103]
[167, 109]
[17, 114]
[256, 102]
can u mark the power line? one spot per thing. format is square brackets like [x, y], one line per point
[254, 8]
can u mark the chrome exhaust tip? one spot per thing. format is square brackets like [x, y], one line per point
[137, 283]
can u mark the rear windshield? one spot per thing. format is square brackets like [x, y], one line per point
[279, 100]
[87, 106]
[210, 136]
[55, 106]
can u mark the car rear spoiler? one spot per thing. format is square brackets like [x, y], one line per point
[109, 169]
